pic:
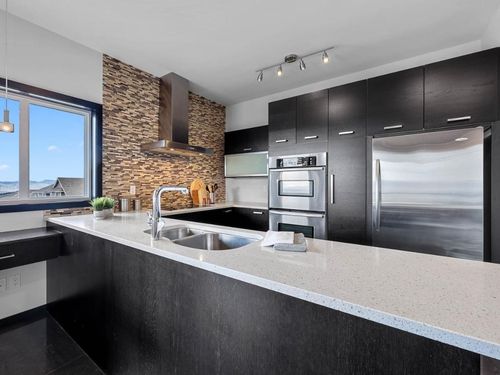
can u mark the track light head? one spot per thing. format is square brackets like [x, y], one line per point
[325, 57]
[260, 77]
[280, 71]
[302, 65]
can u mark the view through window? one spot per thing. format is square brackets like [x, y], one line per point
[47, 156]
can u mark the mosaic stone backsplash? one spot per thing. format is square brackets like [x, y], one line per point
[130, 118]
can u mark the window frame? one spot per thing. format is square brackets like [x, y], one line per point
[27, 94]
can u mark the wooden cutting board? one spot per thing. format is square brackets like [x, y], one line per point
[196, 186]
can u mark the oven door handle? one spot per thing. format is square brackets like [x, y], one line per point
[302, 214]
[307, 169]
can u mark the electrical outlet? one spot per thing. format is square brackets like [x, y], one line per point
[14, 281]
[3, 285]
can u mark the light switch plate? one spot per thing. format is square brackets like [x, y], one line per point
[3, 285]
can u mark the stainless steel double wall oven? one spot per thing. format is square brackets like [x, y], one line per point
[298, 194]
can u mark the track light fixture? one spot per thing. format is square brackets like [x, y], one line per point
[325, 57]
[292, 58]
[302, 65]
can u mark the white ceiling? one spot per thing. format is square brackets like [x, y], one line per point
[219, 44]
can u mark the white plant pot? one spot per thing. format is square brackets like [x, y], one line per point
[103, 214]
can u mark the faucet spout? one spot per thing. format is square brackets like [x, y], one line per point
[156, 215]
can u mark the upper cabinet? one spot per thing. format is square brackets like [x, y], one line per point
[462, 90]
[282, 122]
[312, 117]
[246, 140]
[395, 102]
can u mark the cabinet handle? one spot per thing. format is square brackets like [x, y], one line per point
[228, 211]
[347, 132]
[311, 137]
[455, 119]
[257, 212]
[332, 181]
[247, 149]
[7, 256]
[281, 140]
[393, 127]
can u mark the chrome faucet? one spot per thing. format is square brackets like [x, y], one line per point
[156, 215]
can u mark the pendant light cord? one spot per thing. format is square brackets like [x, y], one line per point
[5, 53]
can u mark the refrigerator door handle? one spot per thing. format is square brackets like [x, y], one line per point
[378, 194]
[332, 188]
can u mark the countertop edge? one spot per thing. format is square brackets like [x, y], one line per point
[442, 335]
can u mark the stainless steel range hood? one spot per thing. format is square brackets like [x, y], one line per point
[173, 130]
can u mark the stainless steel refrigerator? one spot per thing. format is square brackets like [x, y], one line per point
[427, 192]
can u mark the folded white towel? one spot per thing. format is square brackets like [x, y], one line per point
[273, 237]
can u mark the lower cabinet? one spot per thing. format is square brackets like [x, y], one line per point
[138, 313]
[237, 217]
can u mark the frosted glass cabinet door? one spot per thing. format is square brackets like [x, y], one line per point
[246, 165]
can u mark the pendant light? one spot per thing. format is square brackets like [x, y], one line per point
[6, 125]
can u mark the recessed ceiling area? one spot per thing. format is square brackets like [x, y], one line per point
[218, 45]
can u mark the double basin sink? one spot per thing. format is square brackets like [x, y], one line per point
[204, 240]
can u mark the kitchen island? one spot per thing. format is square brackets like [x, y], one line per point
[149, 306]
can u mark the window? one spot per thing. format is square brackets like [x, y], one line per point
[51, 158]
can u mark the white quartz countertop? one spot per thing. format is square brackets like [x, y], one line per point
[450, 300]
[255, 205]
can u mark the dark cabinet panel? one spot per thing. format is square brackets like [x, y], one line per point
[166, 317]
[22, 247]
[462, 90]
[312, 117]
[347, 163]
[282, 122]
[237, 217]
[252, 218]
[246, 140]
[395, 102]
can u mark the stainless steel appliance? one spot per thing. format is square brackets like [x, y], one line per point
[297, 194]
[427, 192]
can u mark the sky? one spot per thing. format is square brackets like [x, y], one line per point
[56, 144]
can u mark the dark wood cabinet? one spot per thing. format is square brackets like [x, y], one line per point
[246, 140]
[347, 163]
[21, 247]
[135, 312]
[462, 90]
[282, 123]
[395, 102]
[252, 218]
[237, 217]
[312, 117]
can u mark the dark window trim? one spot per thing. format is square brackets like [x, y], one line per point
[96, 144]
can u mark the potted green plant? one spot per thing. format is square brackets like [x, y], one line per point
[103, 207]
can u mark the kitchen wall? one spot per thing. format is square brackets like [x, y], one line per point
[247, 189]
[41, 58]
[130, 106]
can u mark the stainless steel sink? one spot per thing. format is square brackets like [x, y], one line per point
[215, 241]
[175, 233]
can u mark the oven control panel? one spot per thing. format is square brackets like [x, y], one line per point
[300, 161]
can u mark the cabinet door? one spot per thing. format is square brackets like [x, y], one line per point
[252, 218]
[312, 117]
[246, 140]
[282, 123]
[462, 90]
[395, 102]
[347, 163]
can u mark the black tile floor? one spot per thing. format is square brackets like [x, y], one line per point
[33, 343]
